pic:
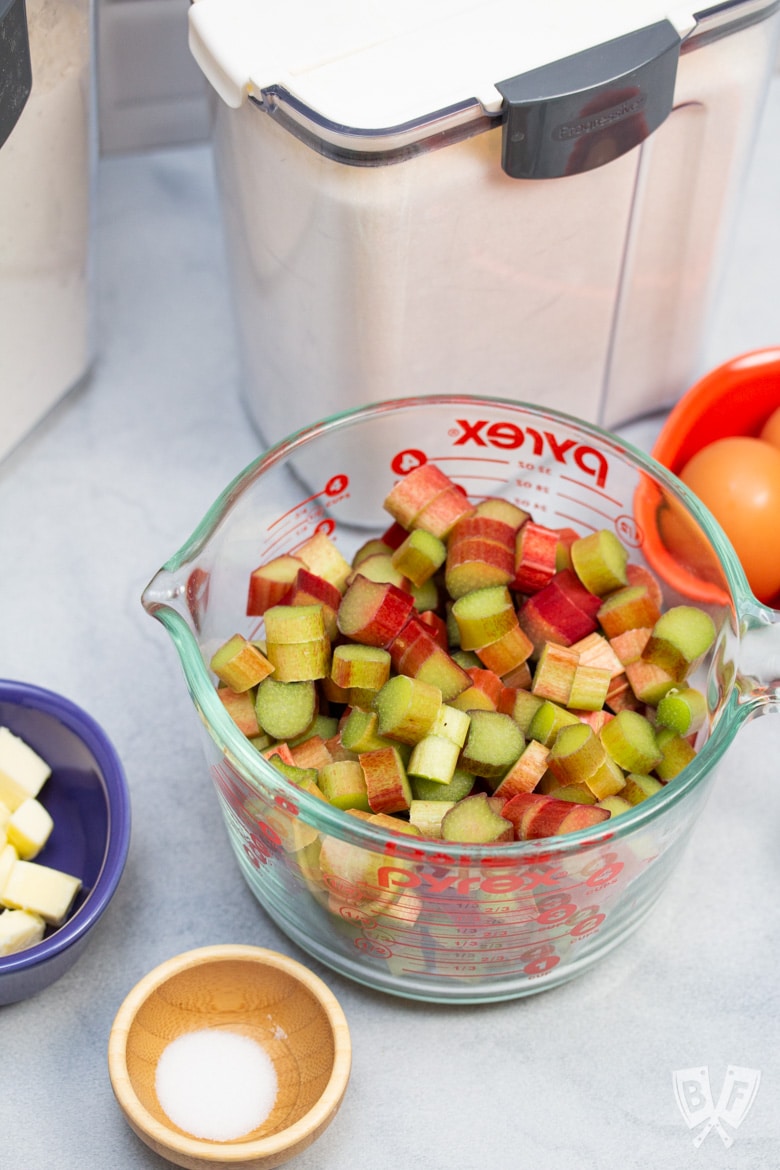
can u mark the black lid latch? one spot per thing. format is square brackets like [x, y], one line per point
[15, 70]
[585, 110]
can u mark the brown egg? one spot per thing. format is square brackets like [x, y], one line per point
[738, 479]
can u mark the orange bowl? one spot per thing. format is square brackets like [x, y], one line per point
[736, 398]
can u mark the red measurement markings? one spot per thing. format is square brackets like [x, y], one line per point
[463, 478]
[375, 949]
[336, 485]
[576, 520]
[598, 511]
[629, 531]
[471, 459]
[597, 491]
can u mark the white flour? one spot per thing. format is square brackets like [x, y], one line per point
[46, 183]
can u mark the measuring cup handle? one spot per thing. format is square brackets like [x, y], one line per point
[758, 659]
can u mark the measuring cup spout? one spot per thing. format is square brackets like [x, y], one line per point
[165, 589]
[758, 659]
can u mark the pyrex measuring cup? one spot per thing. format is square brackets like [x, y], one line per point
[428, 919]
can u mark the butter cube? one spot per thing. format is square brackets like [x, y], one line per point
[18, 930]
[29, 828]
[8, 859]
[39, 889]
[22, 771]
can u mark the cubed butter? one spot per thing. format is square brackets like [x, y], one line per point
[22, 771]
[29, 828]
[8, 859]
[5, 814]
[19, 929]
[39, 889]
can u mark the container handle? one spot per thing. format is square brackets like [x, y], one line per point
[587, 109]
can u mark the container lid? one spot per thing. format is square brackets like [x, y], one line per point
[15, 71]
[361, 68]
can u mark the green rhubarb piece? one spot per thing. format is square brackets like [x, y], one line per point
[483, 615]
[419, 556]
[374, 545]
[607, 779]
[262, 741]
[407, 708]
[528, 770]
[524, 707]
[496, 508]
[548, 720]
[599, 560]
[380, 569]
[630, 740]
[387, 783]
[355, 665]
[285, 709]
[473, 820]
[460, 785]
[303, 777]
[344, 784]
[451, 724]
[630, 608]
[240, 706]
[680, 638]
[576, 754]
[300, 661]
[326, 726]
[684, 710]
[648, 681]
[394, 824]
[676, 753]
[554, 673]
[589, 688]
[239, 664]
[574, 793]
[427, 815]
[426, 596]
[434, 758]
[615, 804]
[359, 731]
[468, 659]
[638, 787]
[493, 744]
[294, 623]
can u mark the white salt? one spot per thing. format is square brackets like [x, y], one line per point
[216, 1085]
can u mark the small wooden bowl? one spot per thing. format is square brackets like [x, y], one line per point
[258, 993]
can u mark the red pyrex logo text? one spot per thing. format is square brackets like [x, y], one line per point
[508, 436]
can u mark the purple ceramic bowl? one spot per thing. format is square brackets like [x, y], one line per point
[88, 798]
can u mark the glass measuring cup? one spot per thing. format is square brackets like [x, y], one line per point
[428, 919]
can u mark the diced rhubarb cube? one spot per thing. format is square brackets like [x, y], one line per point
[476, 563]
[320, 556]
[416, 653]
[508, 656]
[526, 772]
[563, 612]
[437, 627]
[441, 515]
[269, 582]
[373, 612]
[410, 495]
[536, 552]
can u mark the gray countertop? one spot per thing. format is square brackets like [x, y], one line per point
[92, 503]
